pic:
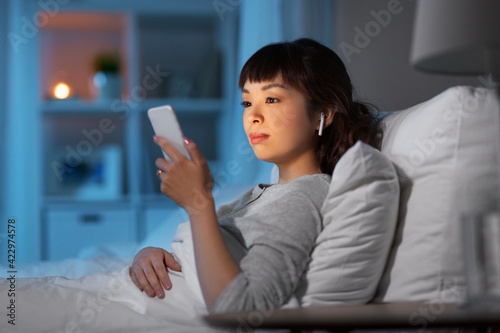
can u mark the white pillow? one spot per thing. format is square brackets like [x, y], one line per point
[446, 148]
[359, 218]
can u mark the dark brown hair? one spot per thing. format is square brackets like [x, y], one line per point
[321, 76]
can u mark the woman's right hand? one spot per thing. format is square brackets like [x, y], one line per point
[149, 270]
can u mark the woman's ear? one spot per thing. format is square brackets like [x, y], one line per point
[328, 117]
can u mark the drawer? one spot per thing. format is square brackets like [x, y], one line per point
[69, 231]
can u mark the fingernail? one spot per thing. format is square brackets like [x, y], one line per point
[159, 293]
[167, 286]
[186, 140]
[155, 138]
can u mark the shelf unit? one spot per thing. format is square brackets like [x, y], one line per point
[99, 183]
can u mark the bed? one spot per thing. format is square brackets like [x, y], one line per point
[391, 234]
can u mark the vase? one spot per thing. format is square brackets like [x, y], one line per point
[108, 85]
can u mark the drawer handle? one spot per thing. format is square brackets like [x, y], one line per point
[90, 218]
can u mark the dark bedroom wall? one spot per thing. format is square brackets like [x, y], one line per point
[379, 64]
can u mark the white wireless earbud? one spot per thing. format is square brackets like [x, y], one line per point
[321, 124]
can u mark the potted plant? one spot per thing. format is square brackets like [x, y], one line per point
[107, 79]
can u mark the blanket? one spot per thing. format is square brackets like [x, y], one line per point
[107, 300]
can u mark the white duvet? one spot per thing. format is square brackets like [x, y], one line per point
[106, 301]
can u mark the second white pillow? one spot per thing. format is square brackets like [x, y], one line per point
[359, 218]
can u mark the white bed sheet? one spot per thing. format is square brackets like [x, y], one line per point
[94, 293]
[97, 295]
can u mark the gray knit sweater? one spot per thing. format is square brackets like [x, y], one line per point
[275, 227]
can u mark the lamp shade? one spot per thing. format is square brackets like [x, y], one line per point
[457, 36]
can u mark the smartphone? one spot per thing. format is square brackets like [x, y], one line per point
[165, 124]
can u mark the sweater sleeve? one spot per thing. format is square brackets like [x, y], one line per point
[280, 243]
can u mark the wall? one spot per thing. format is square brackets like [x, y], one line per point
[379, 64]
[307, 18]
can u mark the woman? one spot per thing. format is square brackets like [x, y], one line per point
[299, 113]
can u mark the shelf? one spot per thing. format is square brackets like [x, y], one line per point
[181, 105]
[188, 53]
[84, 155]
[96, 149]
[71, 43]
[184, 8]
[77, 106]
[62, 202]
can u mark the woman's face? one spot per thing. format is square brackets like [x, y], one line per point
[276, 122]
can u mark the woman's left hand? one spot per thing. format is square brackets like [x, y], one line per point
[187, 182]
